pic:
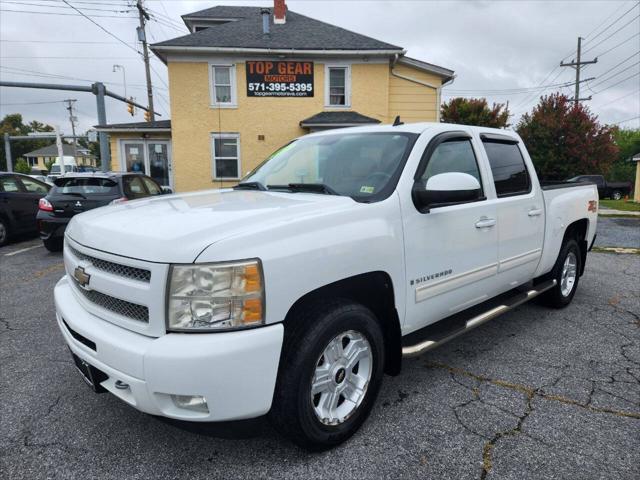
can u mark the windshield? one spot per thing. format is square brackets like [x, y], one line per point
[364, 166]
[91, 186]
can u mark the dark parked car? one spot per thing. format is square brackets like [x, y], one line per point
[19, 197]
[613, 190]
[78, 192]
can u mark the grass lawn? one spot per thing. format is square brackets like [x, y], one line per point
[621, 205]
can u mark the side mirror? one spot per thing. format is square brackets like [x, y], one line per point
[446, 189]
[166, 190]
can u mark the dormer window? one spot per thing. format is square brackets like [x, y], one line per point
[223, 85]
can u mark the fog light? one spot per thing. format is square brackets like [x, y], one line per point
[196, 403]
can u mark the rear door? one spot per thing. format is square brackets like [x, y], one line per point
[520, 209]
[450, 251]
[33, 191]
[19, 204]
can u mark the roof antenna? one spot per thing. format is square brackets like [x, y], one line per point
[397, 121]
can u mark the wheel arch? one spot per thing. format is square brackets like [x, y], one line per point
[578, 231]
[375, 291]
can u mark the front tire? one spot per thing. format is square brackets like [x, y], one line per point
[330, 374]
[53, 244]
[566, 273]
[616, 195]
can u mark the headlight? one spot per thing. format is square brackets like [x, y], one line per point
[215, 296]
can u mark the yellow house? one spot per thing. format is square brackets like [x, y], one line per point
[247, 80]
[38, 158]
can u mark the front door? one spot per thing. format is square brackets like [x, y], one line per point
[451, 251]
[151, 157]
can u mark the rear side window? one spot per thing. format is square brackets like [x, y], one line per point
[133, 187]
[510, 174]
[86, 186]
[153, 187]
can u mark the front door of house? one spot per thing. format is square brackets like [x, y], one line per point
[151, 157]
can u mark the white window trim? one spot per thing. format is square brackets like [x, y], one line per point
[234, 86]
[347, 90]
[221, 136]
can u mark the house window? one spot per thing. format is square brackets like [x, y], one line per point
[223, 85]
[226, 156]
[337, 86]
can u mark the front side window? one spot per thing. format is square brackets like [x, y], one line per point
[453, 156]
[152, 187]
[133, 187]
[510, 174]
[337, 86]
[223, 84]
[363, 166]
[226, 156]
[9, 184]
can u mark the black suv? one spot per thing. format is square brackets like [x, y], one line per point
[78, 192]
[19, 196]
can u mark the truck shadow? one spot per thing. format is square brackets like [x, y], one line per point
[237, 429]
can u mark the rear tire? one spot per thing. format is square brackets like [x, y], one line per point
[330, 373]
[4, 232]
[566, 273]
[53, 244]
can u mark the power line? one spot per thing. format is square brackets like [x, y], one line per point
[59, 41]
[609, 102]
[616, 10]
[31, 4]
[611, 24]
[34, 12]
[618, 45]
[627, 120]
[618, 83]
[30, 103]
[614, 75]
[608, 37]
[102, 28]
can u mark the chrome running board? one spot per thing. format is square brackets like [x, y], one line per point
[477, 320]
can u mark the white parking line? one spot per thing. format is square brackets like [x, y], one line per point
[22, 250]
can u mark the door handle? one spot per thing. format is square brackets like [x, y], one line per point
[535, 212]
[485, 222]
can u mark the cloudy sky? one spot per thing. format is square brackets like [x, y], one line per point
[501, 50]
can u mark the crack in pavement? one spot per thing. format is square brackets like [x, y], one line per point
[529, 392]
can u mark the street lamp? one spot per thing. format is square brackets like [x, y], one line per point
[124, 77]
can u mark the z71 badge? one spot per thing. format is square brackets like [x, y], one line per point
[433, 276]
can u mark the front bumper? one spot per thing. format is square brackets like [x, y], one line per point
[234, 371]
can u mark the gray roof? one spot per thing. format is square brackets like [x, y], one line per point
[344, 118]
[52, 151]
[298, 33]
[157, 125]
[445, 73]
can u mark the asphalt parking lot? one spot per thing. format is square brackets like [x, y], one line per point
[537, 393]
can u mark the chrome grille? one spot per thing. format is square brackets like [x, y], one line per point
[133, 273]
[113, 304]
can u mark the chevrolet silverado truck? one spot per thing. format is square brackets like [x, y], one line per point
[293, 293]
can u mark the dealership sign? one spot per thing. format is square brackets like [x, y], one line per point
[279, 79]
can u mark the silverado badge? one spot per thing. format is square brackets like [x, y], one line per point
[81, 277]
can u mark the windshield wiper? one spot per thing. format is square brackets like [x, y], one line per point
[250, 186]
[305, 187]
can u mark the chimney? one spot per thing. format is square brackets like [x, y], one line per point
[265, 20]
[279, 12]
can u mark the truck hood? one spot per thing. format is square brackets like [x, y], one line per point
[177, 228]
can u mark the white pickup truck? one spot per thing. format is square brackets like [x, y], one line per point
[294, 292]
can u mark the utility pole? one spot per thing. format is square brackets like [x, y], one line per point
[60, 151]
[142, 37]
[72, 119]
[577, 64]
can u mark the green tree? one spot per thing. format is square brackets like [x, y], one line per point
[13, 125]
[628, 141]
[22, 166]
[564, 139]
[49, 163]
[474, 111]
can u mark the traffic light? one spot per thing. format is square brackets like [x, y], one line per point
[147, 116]
[131, 109]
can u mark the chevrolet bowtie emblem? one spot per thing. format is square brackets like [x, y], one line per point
[81, 276]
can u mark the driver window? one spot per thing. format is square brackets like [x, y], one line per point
[298, 167]
[452, 156]
[33, 186]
